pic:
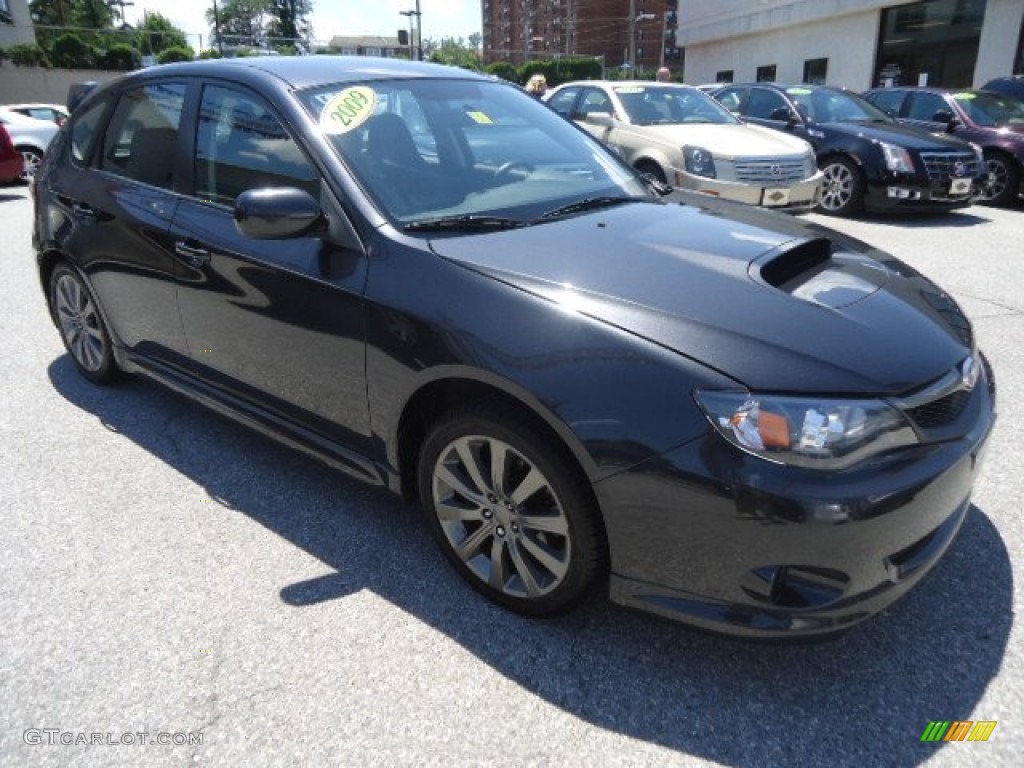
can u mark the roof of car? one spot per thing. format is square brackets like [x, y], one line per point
[303, 71]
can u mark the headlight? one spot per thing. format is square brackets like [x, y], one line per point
[807, 432]
[699, 162]
[979, 154]
[897, 158]
[810, 164]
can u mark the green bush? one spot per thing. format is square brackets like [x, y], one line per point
[121, 57]
[71, 52]
[209, 53]
[28, 55]
[177, 53]
[558, 71]
[243, 53]
[504, 70]
[4, 55]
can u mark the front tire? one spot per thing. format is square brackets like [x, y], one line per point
[81, 326]
[1003, 182]
[511, 512]
[842, 193]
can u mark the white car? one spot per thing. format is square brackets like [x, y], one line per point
[52, 112]
[683, 137]
[30, 137]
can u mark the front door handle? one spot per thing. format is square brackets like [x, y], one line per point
[196, 257]
[83, 211]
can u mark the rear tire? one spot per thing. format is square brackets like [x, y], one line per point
[81, 326]
[32, 158]
[511, 512]
[652, 168]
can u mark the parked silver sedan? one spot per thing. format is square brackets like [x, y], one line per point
[30, 137]
[682, 136]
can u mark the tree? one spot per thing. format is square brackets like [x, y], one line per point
[289, 20]
[454, 52]
[242, 22]
[92, 14]
[51, 13]
[156, 33]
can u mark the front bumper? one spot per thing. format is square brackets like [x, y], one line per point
[802, 195]
[715, 538]
[913, 193]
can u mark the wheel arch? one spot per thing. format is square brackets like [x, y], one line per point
[434, 397]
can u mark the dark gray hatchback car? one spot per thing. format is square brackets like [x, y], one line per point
[434, 283]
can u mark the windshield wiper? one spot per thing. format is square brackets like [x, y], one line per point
[590, 204]
[465, 222]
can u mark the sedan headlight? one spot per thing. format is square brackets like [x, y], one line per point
[897, 158]
[699, 162]
[818, 433]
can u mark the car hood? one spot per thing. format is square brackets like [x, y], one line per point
[902, 135]
[774, 303]
[726, 140]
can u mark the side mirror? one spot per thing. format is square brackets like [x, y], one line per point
[945, 117]
[785, 115]
[274, 213]
[601, 119]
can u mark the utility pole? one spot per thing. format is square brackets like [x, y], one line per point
[412, 40]
[419, 30]
[632, 37]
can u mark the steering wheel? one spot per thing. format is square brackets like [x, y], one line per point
[507, 170]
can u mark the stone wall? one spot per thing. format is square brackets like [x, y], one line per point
[48, 86]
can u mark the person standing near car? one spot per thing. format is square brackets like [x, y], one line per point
[537, 85]
[663, 75]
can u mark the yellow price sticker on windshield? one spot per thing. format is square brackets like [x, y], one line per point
[798, 91]
[481, 118]
[348, 110]
[965, 96]
[629, 89]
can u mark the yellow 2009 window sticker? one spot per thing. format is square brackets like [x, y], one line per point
[348, 110]
[481, 118]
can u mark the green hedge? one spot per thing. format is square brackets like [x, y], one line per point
[28, 55]
[177, 53]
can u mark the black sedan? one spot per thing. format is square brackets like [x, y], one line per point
[869, 160]
[993, 122]
[434, 283]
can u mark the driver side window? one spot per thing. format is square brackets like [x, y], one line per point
[241, 145]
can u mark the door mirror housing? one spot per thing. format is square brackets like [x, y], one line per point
[275, 213]
[785, 115]
[601, 119]
[945, 117]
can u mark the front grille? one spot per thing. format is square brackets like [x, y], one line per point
[945, 166]
[771, 172]
[938, 413]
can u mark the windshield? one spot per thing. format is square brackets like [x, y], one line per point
[990, 110]
[462, 150]
[671, 105]
[825, 105]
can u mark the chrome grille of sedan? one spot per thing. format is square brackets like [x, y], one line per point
[769, 172]
[943, 166]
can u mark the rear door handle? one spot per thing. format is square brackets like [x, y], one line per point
[196, 257]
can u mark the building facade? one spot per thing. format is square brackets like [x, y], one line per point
[15, 23]
[370, 45]
[853, 43]
[524, 30]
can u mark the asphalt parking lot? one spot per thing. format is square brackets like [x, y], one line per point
[166, 571]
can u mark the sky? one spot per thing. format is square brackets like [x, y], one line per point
[441, 18]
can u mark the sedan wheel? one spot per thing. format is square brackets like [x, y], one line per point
[510, 512]
[81, 326]
[31, 160]
[1003, 181]
[843, 191]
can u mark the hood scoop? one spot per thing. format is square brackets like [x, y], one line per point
[816, 272]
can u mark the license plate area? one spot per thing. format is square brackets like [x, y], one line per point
[774, 197]
[960, 187]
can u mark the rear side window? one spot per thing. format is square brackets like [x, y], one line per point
[888, 101]
[84, 130]
[241, 145]
[142, 139]
[925, 106]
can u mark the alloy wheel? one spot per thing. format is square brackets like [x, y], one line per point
[79, 323]
[501, 516]
[31, 161]
[996, 181]
[838, 189]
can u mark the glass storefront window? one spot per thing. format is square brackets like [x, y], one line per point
[929, 43]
